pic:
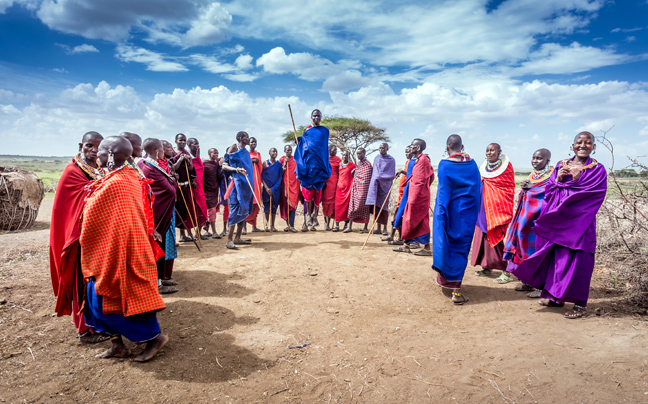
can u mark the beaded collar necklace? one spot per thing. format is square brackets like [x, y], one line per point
[154, 163]
[98, 182]
[488, 170]
[541, 175]
[464, 156]
[136, 168]
[566, 163]
[94, 173]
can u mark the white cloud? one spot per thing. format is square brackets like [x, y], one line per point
[4, 5]
[553, 58]
[183, 23]
[154, 61]
[244, 62]
[627, 29]
[84, 48]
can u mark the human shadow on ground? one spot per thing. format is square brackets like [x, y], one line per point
[346, 244]
[209, 284]
[275, 245]
[198, 349]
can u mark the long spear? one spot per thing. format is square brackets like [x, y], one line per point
[293, 122]
[193, 204]
[376, 217]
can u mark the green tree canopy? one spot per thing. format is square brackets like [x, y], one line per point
[348, 134]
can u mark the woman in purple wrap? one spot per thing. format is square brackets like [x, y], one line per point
[563, 263]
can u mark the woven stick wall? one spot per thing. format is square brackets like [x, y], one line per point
[21, 193]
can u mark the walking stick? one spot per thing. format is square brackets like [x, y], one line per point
[293, 122]
[258, 203]
[376, 217]
[193, 204]
[185, 225]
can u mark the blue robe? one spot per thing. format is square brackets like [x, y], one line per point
[398, 219]
[455, 215]
[312, 158]
[241, 198]
[271, 175]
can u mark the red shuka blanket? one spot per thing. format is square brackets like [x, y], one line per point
[401, 183]
[499, 195]
[289, 198]
[64, 235]
[343, 192]
[330, 188]
[116, 248]
[416, 217]
[358, 209]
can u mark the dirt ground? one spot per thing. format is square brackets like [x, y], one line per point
[379, 329]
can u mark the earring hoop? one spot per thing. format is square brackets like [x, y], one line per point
[111, 160]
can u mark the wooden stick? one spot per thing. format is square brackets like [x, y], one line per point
[376, 217]
[257, 201]
[193, 204]
[184, 224]
[293, 122]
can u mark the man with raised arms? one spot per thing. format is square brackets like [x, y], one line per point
[199, 191]
[183, 165]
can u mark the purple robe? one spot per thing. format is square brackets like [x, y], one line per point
[563, 263]
[384, 171]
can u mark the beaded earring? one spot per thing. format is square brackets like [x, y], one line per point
[111, 160]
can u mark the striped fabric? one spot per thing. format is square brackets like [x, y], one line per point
[499, 195]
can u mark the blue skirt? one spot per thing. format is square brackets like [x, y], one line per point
[138, 328]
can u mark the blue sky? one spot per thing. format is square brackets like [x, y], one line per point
[524, 73]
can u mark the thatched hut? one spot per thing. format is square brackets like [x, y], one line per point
[21, 193]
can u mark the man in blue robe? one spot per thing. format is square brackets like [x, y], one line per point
[240, 194]
[313, 166]
[455, 214]
[271, 177]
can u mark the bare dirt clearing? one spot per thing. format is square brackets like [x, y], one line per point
[380, 331]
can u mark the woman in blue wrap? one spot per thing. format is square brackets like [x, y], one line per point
[455, 214]
[240, 194]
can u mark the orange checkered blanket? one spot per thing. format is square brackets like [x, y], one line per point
[116, 248]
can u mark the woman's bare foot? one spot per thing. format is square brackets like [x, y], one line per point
[117, 350]
[152, 347]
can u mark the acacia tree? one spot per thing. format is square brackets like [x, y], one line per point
[348, 134]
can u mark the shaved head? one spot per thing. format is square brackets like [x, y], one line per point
[586, 133]
[497, 146]
[454, 143]
[117, 146]
[135, 141]
[544, 152]
[91, 135]
[151, 145]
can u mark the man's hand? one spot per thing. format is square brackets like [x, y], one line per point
[194, 184]
[525, 184]
[562, 173]
[157, 236]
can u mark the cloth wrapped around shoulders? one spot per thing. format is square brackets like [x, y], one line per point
[312, 158]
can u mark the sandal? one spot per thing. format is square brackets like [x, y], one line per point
[90, 338]
[484, 272]
[388, 238]
[396, 242]
[347, 230]
[549, 303]
[243, 241]
[364, 231]
[523, 287]
[274, 229]
[216, 236]
[535, 294]
[312, 228]
[504, 279]
[292, 229]
[336, 229]
[414, 245]
[402, 248]
[231, 245]
[287, 228]
[577, 312]
[169, 282]
[461, 303]
[163, 290]
[186, 239]
[423, 253]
